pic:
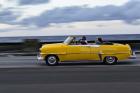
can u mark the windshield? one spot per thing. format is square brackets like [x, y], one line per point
[68, 40]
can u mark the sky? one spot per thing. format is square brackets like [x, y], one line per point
[69, 17]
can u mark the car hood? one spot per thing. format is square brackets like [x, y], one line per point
[44, 46]
[52, 45]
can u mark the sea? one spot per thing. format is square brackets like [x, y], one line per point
[19, 39]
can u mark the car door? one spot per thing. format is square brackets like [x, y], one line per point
[78, 52]
[95, 52]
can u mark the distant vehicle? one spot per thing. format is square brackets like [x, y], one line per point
[72, 49]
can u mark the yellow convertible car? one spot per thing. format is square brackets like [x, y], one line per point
[73, 49]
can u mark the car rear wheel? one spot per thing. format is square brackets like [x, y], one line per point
[110, 60]
[52, 60]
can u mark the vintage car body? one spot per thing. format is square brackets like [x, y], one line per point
[109, 53]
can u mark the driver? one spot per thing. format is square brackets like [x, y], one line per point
[73, 42]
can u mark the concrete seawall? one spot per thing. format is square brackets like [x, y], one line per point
[32, 46]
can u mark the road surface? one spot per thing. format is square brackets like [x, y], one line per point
[24, 74]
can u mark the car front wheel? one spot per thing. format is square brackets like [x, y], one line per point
[52, 60]
[110, 60]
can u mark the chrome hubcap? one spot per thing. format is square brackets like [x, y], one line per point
[110, 59]
[52, 60]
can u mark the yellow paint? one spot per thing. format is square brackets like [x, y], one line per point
[67, 52]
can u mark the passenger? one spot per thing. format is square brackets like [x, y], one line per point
[99, 40]
[83, 41]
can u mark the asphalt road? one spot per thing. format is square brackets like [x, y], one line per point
[24, 74]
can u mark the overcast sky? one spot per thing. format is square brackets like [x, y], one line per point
[64, 17]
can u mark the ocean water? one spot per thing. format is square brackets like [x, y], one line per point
[62, 38]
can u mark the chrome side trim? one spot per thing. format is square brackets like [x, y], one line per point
[52, 53]
[87, 53]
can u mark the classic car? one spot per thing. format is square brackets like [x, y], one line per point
[72, 49]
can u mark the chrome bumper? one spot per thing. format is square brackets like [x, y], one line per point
[39, 57]
[133, 56]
